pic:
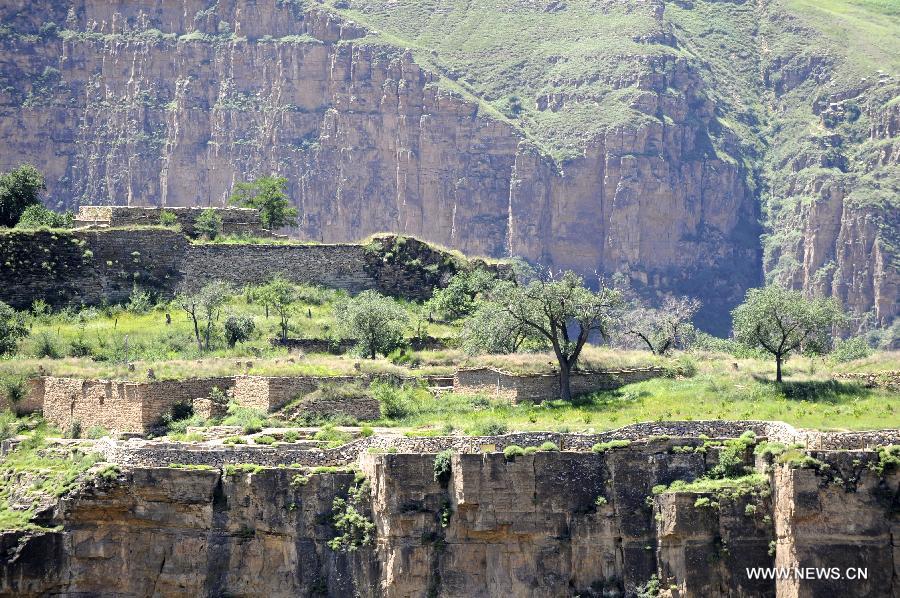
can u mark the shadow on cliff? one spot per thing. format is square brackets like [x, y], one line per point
[817, 391]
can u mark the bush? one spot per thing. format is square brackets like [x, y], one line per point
[330, 434]
[491, 428]
[74, 430]
[396, 402]
[12, 328]
[850, 349]
[139, 302]
[602, 447]
[513, 451]
[79, 347]
[238, 329]
[96, 432]
[37, 216]
[366, 431]
[264, 439]
[548, 447]
[46, 346]
[251, 420]
[167, 218]
[208, 224]
[290, 436]
[234, 440]
[14, 389]
[443, 467]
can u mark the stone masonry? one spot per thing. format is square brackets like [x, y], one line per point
[539, 387]
[235, 221]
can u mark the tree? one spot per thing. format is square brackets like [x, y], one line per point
[554, 307]
[663, 328]
[491, 329]
[19, 188]
[37, 216]
[280, 295]
[266, 194]
[12, 328]
[375, 321]
[238, 329]
[203, 308]
[781, 321]
[459, 298]
[208, 224]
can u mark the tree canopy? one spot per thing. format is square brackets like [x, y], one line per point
[375, 321]
[19, 188]
[782, 321]
[266, 194]
[564, 312]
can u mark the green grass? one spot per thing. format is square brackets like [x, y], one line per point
[716, 392]
[30, 475]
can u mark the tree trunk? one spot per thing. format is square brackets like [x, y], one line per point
[197, 333]
[778, 368]
[565, 390]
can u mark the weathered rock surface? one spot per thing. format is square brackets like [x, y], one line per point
[528, 526]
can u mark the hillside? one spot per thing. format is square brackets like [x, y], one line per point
[698, 147]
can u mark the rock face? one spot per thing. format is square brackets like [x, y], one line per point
[171, 105]
[548, 524]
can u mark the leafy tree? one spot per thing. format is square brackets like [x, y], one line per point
[782, 321]
[266, 194]
[491, 329]
[281, 296]
[375, 321]
[238, 329]
[459, 298]
[208, 224]
[554, 307]
[663, 328]
[12, 328]
[19, 188]
[203, 308]
[37, 216]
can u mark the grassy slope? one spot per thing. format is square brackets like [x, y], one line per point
[501, 48]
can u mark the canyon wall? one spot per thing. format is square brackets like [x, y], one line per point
[171, 104]
[548, 524]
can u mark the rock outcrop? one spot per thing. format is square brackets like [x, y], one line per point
[545, 524]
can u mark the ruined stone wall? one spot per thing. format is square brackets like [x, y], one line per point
[120, 406]
[235, 221]
[539, 387]
[89, 266]
[268, 393]
[335, 266]
[76, 267]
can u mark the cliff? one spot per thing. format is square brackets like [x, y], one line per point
[642, 140]
[547, 524]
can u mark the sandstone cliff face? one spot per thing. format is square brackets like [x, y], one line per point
[529, 526]
[168, 104]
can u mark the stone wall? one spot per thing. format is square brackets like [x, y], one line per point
[89, 266]
[335, 266]
[268, 393]
[121, 406]
[539, 387]
[235, 221]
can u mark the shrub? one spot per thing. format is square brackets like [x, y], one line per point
[850, 349]
[492, 428]
[443, 467]
[264, 439]
[548, 446]
[251, 420]
[234, 440]
[395, 401]
[731, 457]
[530, 450]
[208, 224]
[74, 430]
[601, 501]
[290, 436]
[167, 218]
[46, 346]
[12, 328]
[330, 434]
[14, 388]
[238, 329]
[80, 347]
[366, 431]
[602, 447]
[139, 301]
[354, 529]
[37, 216]
[513, 451]
[95, 432]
